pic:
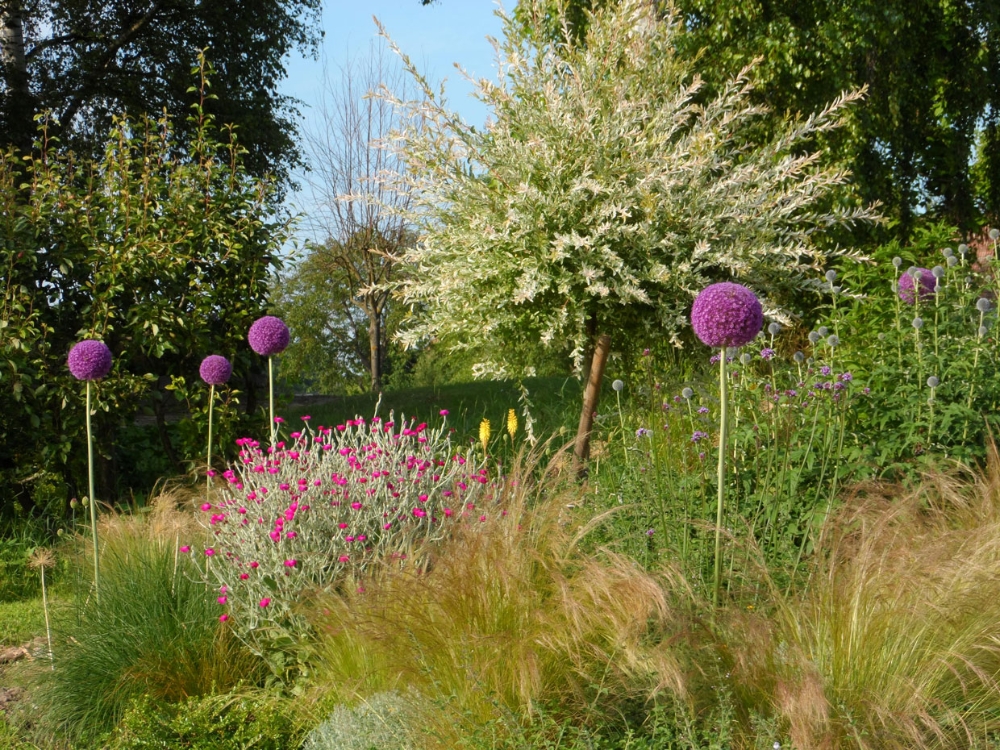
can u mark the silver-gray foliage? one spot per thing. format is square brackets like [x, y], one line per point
[602, 191]
[382, 722]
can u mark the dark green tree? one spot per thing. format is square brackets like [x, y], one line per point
[87, 61]
[163, 252]
[925, 141]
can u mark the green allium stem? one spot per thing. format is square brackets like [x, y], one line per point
[208, 459]
[270, 392]
[45, 608]
[93, 499]
[621, 421]
[723, 398]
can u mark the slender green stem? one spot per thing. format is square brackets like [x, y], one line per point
[621, 421]
[208, 459]
[92, 498]
[270, 391]
[723, 398]
[48, 628]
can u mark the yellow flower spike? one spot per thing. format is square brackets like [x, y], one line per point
[511, 423]
[484, 433]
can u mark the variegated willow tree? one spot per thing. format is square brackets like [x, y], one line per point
[604, 194]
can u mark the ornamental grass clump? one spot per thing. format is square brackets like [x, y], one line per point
[90, 360]
[309, 515]
[725, 315]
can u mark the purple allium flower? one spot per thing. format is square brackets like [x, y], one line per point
[215, 369]
[908, 282]
[268, 335]
[726, 314]
[89, 360]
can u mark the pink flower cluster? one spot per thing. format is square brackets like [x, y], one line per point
[301, 516]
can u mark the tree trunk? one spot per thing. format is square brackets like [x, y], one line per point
[20, 105]
[588, 357]
[591, 395]
[375, 349]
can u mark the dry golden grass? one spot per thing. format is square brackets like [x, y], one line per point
[508, 617]
[895, 640]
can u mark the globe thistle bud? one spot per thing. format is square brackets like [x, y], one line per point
[983, 305]
[618, 385]
[948, 252]
[952, 261]
[881, 337]
[994, 233]
[831, 276]
[799, 357]
[983, 331]
[774, 329]
[823, 331]
[833, 340]
[814, 337]
[746, 358]
[897, 261]
[933, 382]
[687, 393]
[918, 323]
[938, 272]
[963, 248]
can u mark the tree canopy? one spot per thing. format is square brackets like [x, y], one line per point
[88, 61]
[924, 142]
[603, 196]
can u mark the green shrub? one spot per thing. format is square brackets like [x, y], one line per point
[234, 721]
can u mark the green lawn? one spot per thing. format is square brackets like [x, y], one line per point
[21, 621]
[554, 404]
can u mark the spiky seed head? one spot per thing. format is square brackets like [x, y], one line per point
[799, 357]
[938, 272]
[897, 261]
[42, 557]
[948, 252]
[833, 340]
[933, 382]
[814, 337]
[831, 276]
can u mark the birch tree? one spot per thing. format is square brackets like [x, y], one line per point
[601, 197]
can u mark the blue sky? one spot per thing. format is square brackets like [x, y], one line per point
[434, 36]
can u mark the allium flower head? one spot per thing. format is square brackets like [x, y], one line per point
[89, 360]
[268, 335]
[726, 314]
[909, 282]
[215, 369]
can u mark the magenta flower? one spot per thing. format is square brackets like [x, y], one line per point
[726, 314]
[223, 618]
[264, 602]
[223, 599]
[89, 360]
[209, 552]
[343, 558]
[215, 369]
[290, 563]
[907, 285]
[186, 548]
[268, 336]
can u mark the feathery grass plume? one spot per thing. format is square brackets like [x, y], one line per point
[41, 559]
[508, 615]
[892, 644]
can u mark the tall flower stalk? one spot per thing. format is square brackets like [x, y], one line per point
[90, 360]
[269, 336]
[215, 370]
[724, 315]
